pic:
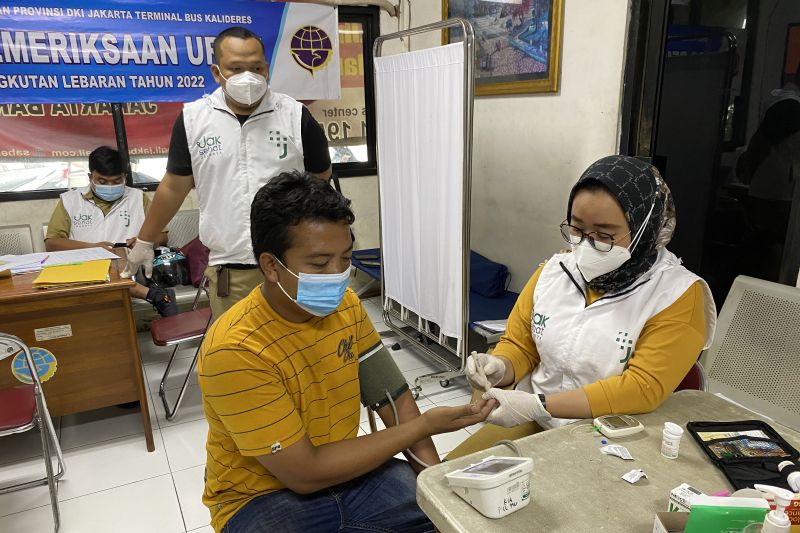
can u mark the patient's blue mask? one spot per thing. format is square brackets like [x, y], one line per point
[318, 294]
[109, 193]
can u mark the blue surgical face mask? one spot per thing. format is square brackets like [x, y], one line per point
[109, 193]
[318, 294]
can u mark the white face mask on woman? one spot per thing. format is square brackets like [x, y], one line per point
[246, 88]
[593, 263]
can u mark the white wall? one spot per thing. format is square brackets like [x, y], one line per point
[530, 149]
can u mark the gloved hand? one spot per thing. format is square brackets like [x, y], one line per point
[141, 254]
[493, 370]
[516, 407]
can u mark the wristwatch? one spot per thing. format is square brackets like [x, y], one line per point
[542, 399]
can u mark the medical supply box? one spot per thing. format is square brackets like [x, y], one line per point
[667, 522]
[680, 498]
[496, 486]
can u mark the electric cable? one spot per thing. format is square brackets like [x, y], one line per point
[397, 422]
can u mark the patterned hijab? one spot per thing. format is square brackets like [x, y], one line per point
[637, 186]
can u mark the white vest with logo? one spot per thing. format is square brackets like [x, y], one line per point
[580, 344]
[88, 224]
[232, 161]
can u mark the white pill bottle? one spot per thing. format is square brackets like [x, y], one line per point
[671, 440]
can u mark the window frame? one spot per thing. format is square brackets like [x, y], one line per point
[368, 17]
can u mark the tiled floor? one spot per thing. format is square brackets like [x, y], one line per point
[113, 485]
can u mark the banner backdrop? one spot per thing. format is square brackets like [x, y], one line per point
[66, 131]
[88, 51]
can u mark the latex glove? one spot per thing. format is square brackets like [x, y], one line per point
[516, 407]
[141, 254]
[493, 370]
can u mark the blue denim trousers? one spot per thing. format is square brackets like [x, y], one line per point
[383, 500]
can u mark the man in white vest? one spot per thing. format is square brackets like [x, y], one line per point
[227, 145]
[105, 213]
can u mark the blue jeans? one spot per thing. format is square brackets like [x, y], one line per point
[383, 500]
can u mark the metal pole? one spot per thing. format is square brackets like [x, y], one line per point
[462, 349]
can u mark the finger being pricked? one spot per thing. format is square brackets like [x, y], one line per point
[478, 411]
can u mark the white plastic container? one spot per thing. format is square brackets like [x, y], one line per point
[496, 487]
[777, 521]
[671, 440]
[793, 478]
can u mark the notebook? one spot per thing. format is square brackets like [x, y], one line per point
[73, 274]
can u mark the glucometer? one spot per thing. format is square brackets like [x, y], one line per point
[617, 425]
[496, 486]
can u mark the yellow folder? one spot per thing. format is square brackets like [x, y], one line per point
[86, 272]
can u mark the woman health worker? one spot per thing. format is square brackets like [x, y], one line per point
[612, 327]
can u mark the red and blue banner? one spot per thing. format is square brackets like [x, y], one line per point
[90, 51]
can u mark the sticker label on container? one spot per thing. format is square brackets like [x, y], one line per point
[53, 332]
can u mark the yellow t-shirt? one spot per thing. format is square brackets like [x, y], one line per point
[267, 382]
[668, 346]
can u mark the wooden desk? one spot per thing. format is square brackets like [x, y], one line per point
[99, 364]
[575, 488]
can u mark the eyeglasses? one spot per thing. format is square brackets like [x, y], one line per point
[602, 242]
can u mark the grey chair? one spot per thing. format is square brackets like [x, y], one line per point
[23, 408]
[756, 350]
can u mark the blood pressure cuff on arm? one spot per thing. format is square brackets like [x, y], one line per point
[377, 374]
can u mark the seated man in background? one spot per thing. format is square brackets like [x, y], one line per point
[281, 373]
[103, 214]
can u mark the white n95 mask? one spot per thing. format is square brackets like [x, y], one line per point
[245, 88]
[594, 263]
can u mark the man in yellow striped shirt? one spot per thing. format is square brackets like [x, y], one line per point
[282, 373]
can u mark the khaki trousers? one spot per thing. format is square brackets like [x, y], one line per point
[241, 282]
[488, 435]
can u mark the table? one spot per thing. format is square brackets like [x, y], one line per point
[96, 348]
[575, 488]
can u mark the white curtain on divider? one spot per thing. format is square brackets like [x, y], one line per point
[420, 112]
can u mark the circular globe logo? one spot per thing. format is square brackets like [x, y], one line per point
[44, 361]
[311, 48]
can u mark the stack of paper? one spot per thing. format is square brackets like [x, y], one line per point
[23, 264]
[495, 326]
[74, 274]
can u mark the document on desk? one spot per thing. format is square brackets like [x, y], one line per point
[23, 264]
[495, 326]
[73, 274]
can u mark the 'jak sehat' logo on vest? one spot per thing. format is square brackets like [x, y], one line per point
[125, 215]
[311, 48]
[209, 145]
[624, 342]
[281, 141]
[539, 323]
[82, 220]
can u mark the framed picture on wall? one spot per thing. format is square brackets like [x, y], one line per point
[791, 58]
[517, 43]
